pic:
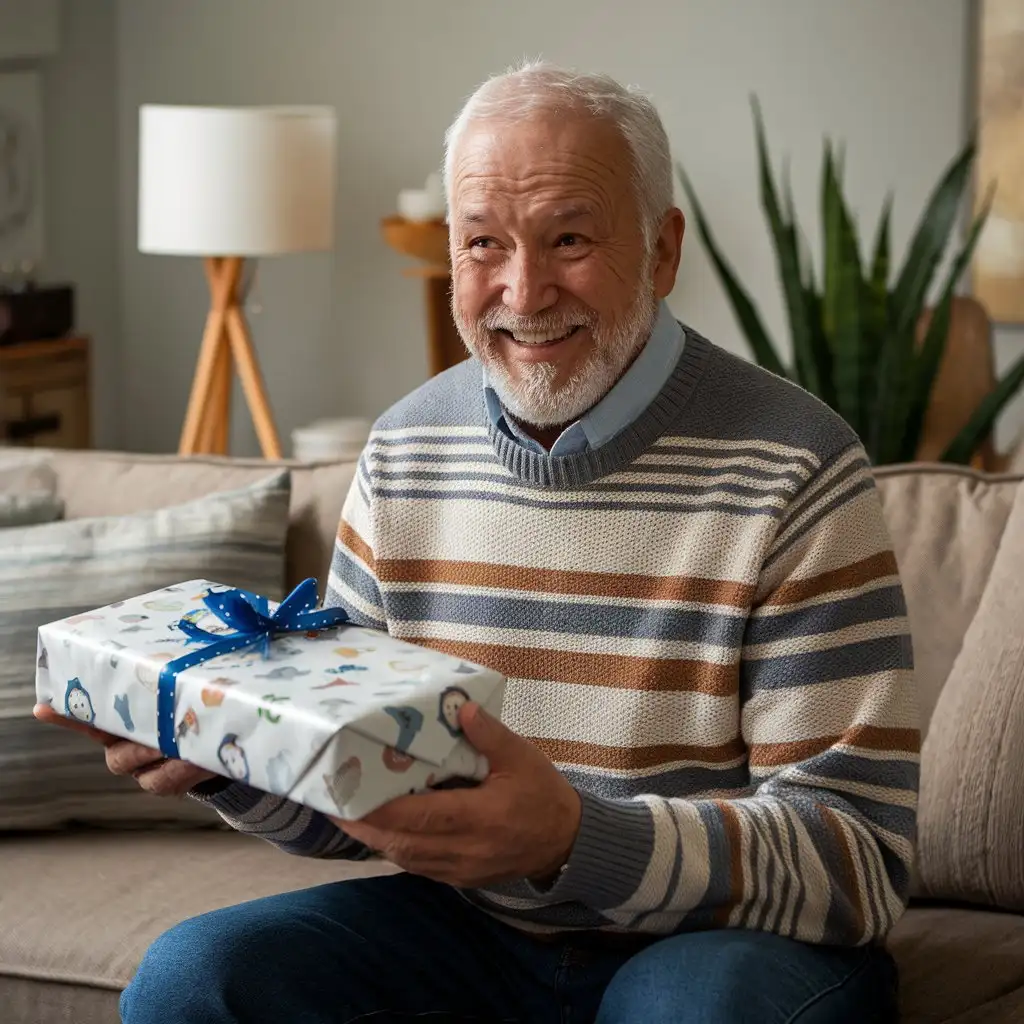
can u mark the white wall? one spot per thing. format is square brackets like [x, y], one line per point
[344, 335]
[80, 186]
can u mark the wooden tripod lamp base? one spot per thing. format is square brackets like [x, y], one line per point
[226, 347]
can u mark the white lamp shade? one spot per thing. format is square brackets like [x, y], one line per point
[236, 181]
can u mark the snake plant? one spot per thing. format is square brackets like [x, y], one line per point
[855, 337]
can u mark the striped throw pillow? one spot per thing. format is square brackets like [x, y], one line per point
[50, 777]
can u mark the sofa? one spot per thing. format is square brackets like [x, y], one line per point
[68, 948]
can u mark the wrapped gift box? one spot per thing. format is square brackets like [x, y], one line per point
[337, 717]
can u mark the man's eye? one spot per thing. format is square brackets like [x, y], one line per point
[481, 243]
[568, 240]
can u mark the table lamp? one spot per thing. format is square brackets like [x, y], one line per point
[229, 184]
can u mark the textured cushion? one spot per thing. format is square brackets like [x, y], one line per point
[959, 966]
[105, 483]
[28, 490]
[49, 776]
[79, 910]
[946, 524]
[971, 819]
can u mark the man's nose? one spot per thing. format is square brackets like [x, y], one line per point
[529, 288]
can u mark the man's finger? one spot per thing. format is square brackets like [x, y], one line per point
[489, 736]
[45, 713]
[127, 758]
[446, 812]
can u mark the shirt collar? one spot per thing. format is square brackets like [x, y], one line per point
[628, 398]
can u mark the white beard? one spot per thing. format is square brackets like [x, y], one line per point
[531, 396]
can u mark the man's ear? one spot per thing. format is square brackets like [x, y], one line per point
[667, 251]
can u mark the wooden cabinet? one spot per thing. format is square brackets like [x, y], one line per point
[44, 394]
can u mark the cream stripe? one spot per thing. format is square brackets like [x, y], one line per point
[581, 643]
[474, 470]
[441, 490]
[608, 716]
[655, 551]
[343, 590]
[722, 444]
[855, 532]
[830, 708]
[794, 645]
[658, 457]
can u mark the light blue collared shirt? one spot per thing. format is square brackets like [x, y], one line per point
[631, 394]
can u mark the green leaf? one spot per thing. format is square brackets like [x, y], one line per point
[875, 310]
[934, 345]
[820, 343]
[843, 312]
[929, 241]
[788, 259]
[979, 426]
[880, 259]
[830, 240]
[743, 308]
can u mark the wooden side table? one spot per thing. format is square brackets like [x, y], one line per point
[428, 241]
[44, 393]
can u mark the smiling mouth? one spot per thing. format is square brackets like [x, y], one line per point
[539, 339]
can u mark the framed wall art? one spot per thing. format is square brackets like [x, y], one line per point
[21, 170]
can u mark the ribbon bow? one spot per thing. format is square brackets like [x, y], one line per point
[254, 625]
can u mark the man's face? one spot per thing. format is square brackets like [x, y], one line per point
[553, 288]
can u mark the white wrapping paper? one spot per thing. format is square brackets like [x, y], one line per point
[342, 720]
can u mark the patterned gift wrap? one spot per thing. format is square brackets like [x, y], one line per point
[286, 698]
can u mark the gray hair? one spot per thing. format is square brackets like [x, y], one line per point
[539, 87]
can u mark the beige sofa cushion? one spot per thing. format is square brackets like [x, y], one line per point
[67, 949]
[946, 524]
[113, 483]
[971, 819]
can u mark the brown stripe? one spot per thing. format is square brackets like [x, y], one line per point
[594, 755]
[869, 737]
[615, 670]
[734, 837]
[850, 576]
[560, 581]
[350, 539]
[847, 872]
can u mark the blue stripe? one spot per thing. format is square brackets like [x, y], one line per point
[884, 603]
[346, 568]
[720, 855]
[556, 616]
[883, 654]
[683, 783]
[895, 773]
[412, 438]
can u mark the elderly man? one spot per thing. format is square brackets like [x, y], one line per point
[701, 802]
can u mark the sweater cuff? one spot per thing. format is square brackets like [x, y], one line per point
[609, 859]
[211, 787]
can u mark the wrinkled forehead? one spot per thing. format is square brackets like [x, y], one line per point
[574, 161]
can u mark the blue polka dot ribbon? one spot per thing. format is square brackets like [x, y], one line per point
[254, 625]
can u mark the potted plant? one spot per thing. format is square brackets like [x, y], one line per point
[854, 330]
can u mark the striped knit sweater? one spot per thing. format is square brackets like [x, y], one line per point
[702, 626]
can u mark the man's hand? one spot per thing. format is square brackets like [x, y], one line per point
[150, 769]
[521, 822]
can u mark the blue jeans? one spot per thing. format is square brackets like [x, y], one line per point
[401, 948]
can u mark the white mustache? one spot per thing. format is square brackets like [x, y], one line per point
[556, 323]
